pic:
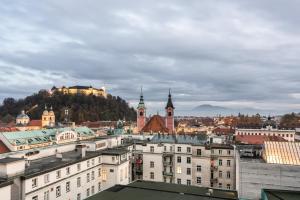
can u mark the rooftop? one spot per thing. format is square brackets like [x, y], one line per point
[256, 139]
[147, 190]
[180, 139]
[47, 164]
[9, 160]
[156, 124]
[280, 194]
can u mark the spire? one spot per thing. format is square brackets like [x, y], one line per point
[170, 103]
[141, 103]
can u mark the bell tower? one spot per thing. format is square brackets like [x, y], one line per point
[170, 114]
[141, 113]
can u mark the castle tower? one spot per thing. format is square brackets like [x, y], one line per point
[170, 114]
[141, 113]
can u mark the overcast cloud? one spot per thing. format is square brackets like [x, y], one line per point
[230, 53]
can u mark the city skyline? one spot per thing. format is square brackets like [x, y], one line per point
[231, 53]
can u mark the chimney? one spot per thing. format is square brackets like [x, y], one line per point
[81, 149]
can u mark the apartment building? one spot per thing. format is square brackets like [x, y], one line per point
[188, 160]
[76, 174]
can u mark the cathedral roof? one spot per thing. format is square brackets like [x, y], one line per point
[35, 123]
[156, 124]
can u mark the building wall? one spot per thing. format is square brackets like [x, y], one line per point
[288, 135]
[5, 192]
[253, 176]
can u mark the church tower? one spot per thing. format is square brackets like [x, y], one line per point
[170, 114]
[141, 113]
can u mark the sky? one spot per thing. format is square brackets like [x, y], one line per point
[237, 54]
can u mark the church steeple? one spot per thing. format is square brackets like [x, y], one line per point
[170, 114]
[141, 112]
[141, 103]
[170, 103]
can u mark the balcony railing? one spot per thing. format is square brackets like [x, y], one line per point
[214, 180]
[168, 153]
[167, 173]
[166, 163]
[213, 168]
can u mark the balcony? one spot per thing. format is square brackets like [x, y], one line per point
[213, 168]
[214, 157]
[166, 163]
[167, 173]
[214, 180]
[168, 153]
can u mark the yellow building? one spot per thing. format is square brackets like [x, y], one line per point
[85, 90]
[48, 118]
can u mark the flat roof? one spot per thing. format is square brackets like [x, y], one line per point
[9, 160]
[50, 163]
[281, 194]
[148, 190]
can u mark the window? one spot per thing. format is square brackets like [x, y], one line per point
[228, 186]
[171, 148]
[99, 186]
[88, 192]
[88, 164]
[152, 149]
[179, 149]
[188, 159]
[165, 148]
[178, 170]
[151, 164]
[35, 198]
[93, 175]
[93, 162]
[220, 174]
[93, 189]
[88, 177]
[111, 170]
[188, 149]
[228, 174]
[220, 152]
[104, 175]
[68, 170]
[68, 186]
[188, 171]
[198, 180]
[199, 152]
[220, 162]
[78, 196]
[228, 152]
[151, 175]
[113, 159]
[178, 181]
[198, 168]
[34, 182]
[58, 191]
[46, 178]
[188, 182]
[228, 163]
[46, 195]
[58, 174]
[220, 185]
[178, 159]
[78, 167]
[99, 160]
[78, 182]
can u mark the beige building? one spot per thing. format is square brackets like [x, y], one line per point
[188, 160]
[83, 90]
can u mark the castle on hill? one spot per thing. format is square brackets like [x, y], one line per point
[157, 123]
[83, 90]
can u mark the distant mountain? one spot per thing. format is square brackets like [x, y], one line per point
[81, 107]
[210, 110]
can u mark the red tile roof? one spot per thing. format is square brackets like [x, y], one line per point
[35, 123]
[3, 148]
[155, 124]
[257, 139]
[223, 131]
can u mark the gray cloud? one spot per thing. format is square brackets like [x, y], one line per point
[232, 53]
